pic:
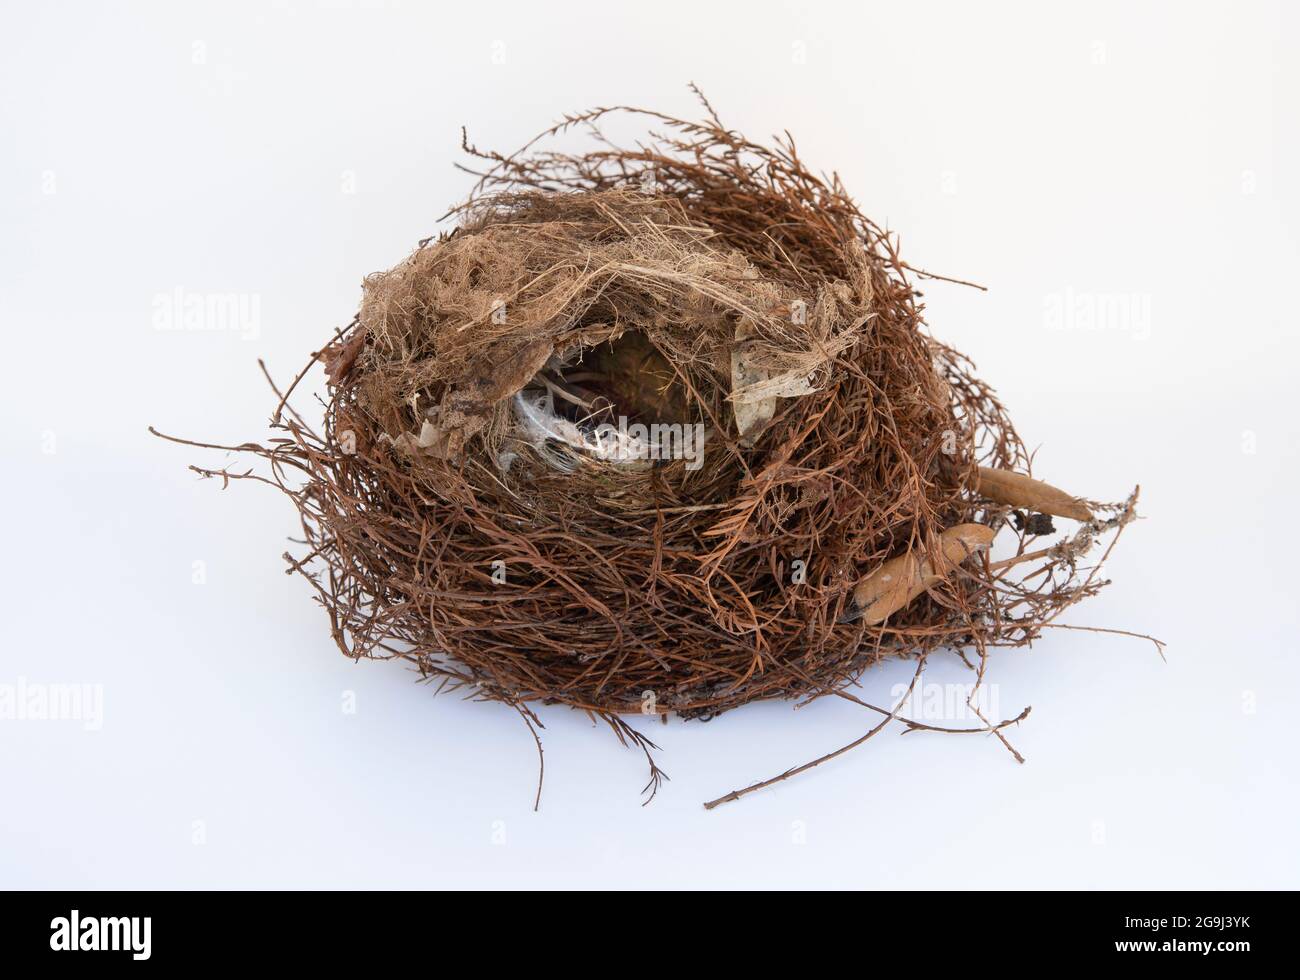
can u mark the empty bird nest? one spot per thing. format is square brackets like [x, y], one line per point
[658, 430]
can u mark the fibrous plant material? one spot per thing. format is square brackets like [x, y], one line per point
[659, 429]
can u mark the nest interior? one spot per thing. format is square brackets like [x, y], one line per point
[698, 279]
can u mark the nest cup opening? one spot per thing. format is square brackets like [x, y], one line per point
[618, 401]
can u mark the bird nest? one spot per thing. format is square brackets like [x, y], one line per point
[659, 430]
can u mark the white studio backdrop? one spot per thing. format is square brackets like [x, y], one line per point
[1121, 176]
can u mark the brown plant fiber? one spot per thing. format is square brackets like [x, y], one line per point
[652, 282]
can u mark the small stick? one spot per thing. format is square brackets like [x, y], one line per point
[736, 794]
[1027, 556]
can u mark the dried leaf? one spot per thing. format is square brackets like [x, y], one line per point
[339, 357]
[900, 580]
[790, 384]
[503, 379]
[1018, 490]
[752, 414]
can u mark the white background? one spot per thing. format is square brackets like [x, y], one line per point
[282, 151]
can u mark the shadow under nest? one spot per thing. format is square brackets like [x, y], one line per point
[485, 498]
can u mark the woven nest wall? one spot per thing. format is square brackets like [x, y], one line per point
[660, 430]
